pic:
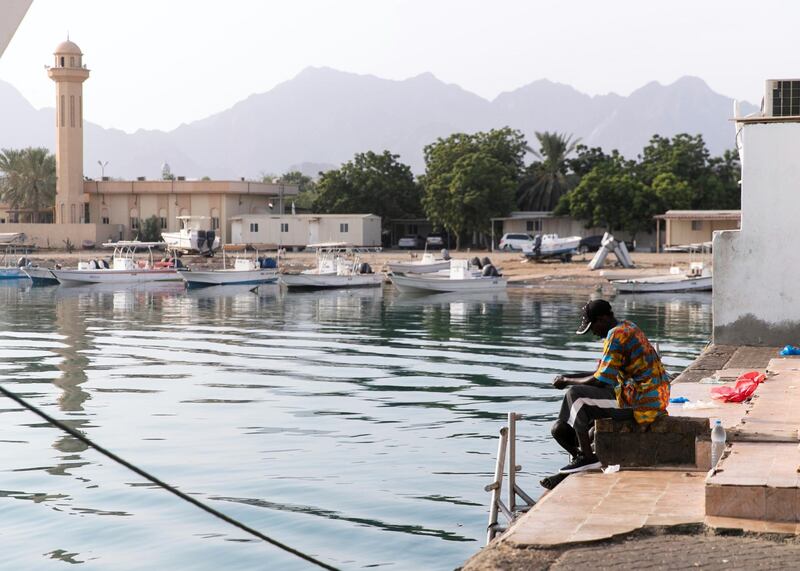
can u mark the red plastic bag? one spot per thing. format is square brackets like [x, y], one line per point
[744, 388]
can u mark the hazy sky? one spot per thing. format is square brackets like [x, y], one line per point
[158, 63]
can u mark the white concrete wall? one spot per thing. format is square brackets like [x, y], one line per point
[307, 229]
[756, 299]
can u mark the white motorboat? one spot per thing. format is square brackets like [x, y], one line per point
[336, 268]
[11, 237]
[698, 278]
[194, 236]
[462, 277]
[10, 265]
[426, 265]
[245, 271]
[125, 268]
[40, 276]
[551, 246]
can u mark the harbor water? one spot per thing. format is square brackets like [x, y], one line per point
[357, 426]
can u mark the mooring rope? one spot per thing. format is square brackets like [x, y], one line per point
[19, 400]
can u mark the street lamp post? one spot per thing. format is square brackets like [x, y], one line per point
[102, 169]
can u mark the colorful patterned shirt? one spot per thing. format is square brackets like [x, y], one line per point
[631, 365]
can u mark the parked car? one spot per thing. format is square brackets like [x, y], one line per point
[590, 244]
[411, 242]
[435, 240]
[515, 241]
[593, 243]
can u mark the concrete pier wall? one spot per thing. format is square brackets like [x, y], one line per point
[757, 268]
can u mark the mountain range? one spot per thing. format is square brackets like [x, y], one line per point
[322, 117]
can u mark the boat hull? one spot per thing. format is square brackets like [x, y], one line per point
[417, 268]
[228, 277]
[332, 281]
[11, 274]
[420, 284]
[41, 276]
[82, 277]
[663, 285]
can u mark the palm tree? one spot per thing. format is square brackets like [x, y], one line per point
[545, 181]
[28, 179]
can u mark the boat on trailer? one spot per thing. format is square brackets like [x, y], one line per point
[338, 266]
[125, 267]
[552, 246]
[253, 270]
[192, 237]
[462, 277]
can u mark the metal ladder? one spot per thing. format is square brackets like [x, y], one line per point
[508, 437]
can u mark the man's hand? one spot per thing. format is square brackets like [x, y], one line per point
[560, 382]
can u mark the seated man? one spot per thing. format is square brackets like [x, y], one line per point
[630, 383]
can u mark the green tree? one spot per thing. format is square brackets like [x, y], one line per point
[471, 178]
[371, 183]
[713, 181]
[611, 197]
[306, 186]
[728, 171]
[671, 192]
[150, 229]
[28, 180]
[546, 180]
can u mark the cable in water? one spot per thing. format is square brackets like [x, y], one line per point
[72, 432]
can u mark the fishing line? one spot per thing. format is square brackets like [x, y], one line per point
[72, 432]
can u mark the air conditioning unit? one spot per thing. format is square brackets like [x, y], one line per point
[782, 98]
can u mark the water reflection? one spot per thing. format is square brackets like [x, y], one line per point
[360, 425]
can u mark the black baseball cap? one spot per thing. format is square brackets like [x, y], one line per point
[591, 311]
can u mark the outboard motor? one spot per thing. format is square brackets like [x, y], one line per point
[93, 265]
[364, 268]
[476, 261]
[201, 240]
[104, 263]
[537, 244]
[269, 263]
[210, 236]
[486, 261]
[490, 271]
[445, 254]
[23, 262]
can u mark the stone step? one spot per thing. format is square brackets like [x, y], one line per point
[595, 506]
[756, 480]
[669, 441]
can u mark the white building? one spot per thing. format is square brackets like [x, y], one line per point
[757, 268]
[302, 229]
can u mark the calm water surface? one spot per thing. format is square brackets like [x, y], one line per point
[360, 427]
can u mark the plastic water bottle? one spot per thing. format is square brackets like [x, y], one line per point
[717, 443]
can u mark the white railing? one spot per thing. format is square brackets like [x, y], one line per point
[506, 446]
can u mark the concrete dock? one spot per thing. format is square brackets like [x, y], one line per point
[746, 514]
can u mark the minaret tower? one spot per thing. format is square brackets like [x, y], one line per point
[69, 73]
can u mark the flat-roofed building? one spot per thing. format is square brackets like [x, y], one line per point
[694, 227]
[299, 230]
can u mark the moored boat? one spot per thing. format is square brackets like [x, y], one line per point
[698, 278]
[337, 267]
[426, 265]
[462, 277]
[40, 276]
[125, 267]
[245, 271]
